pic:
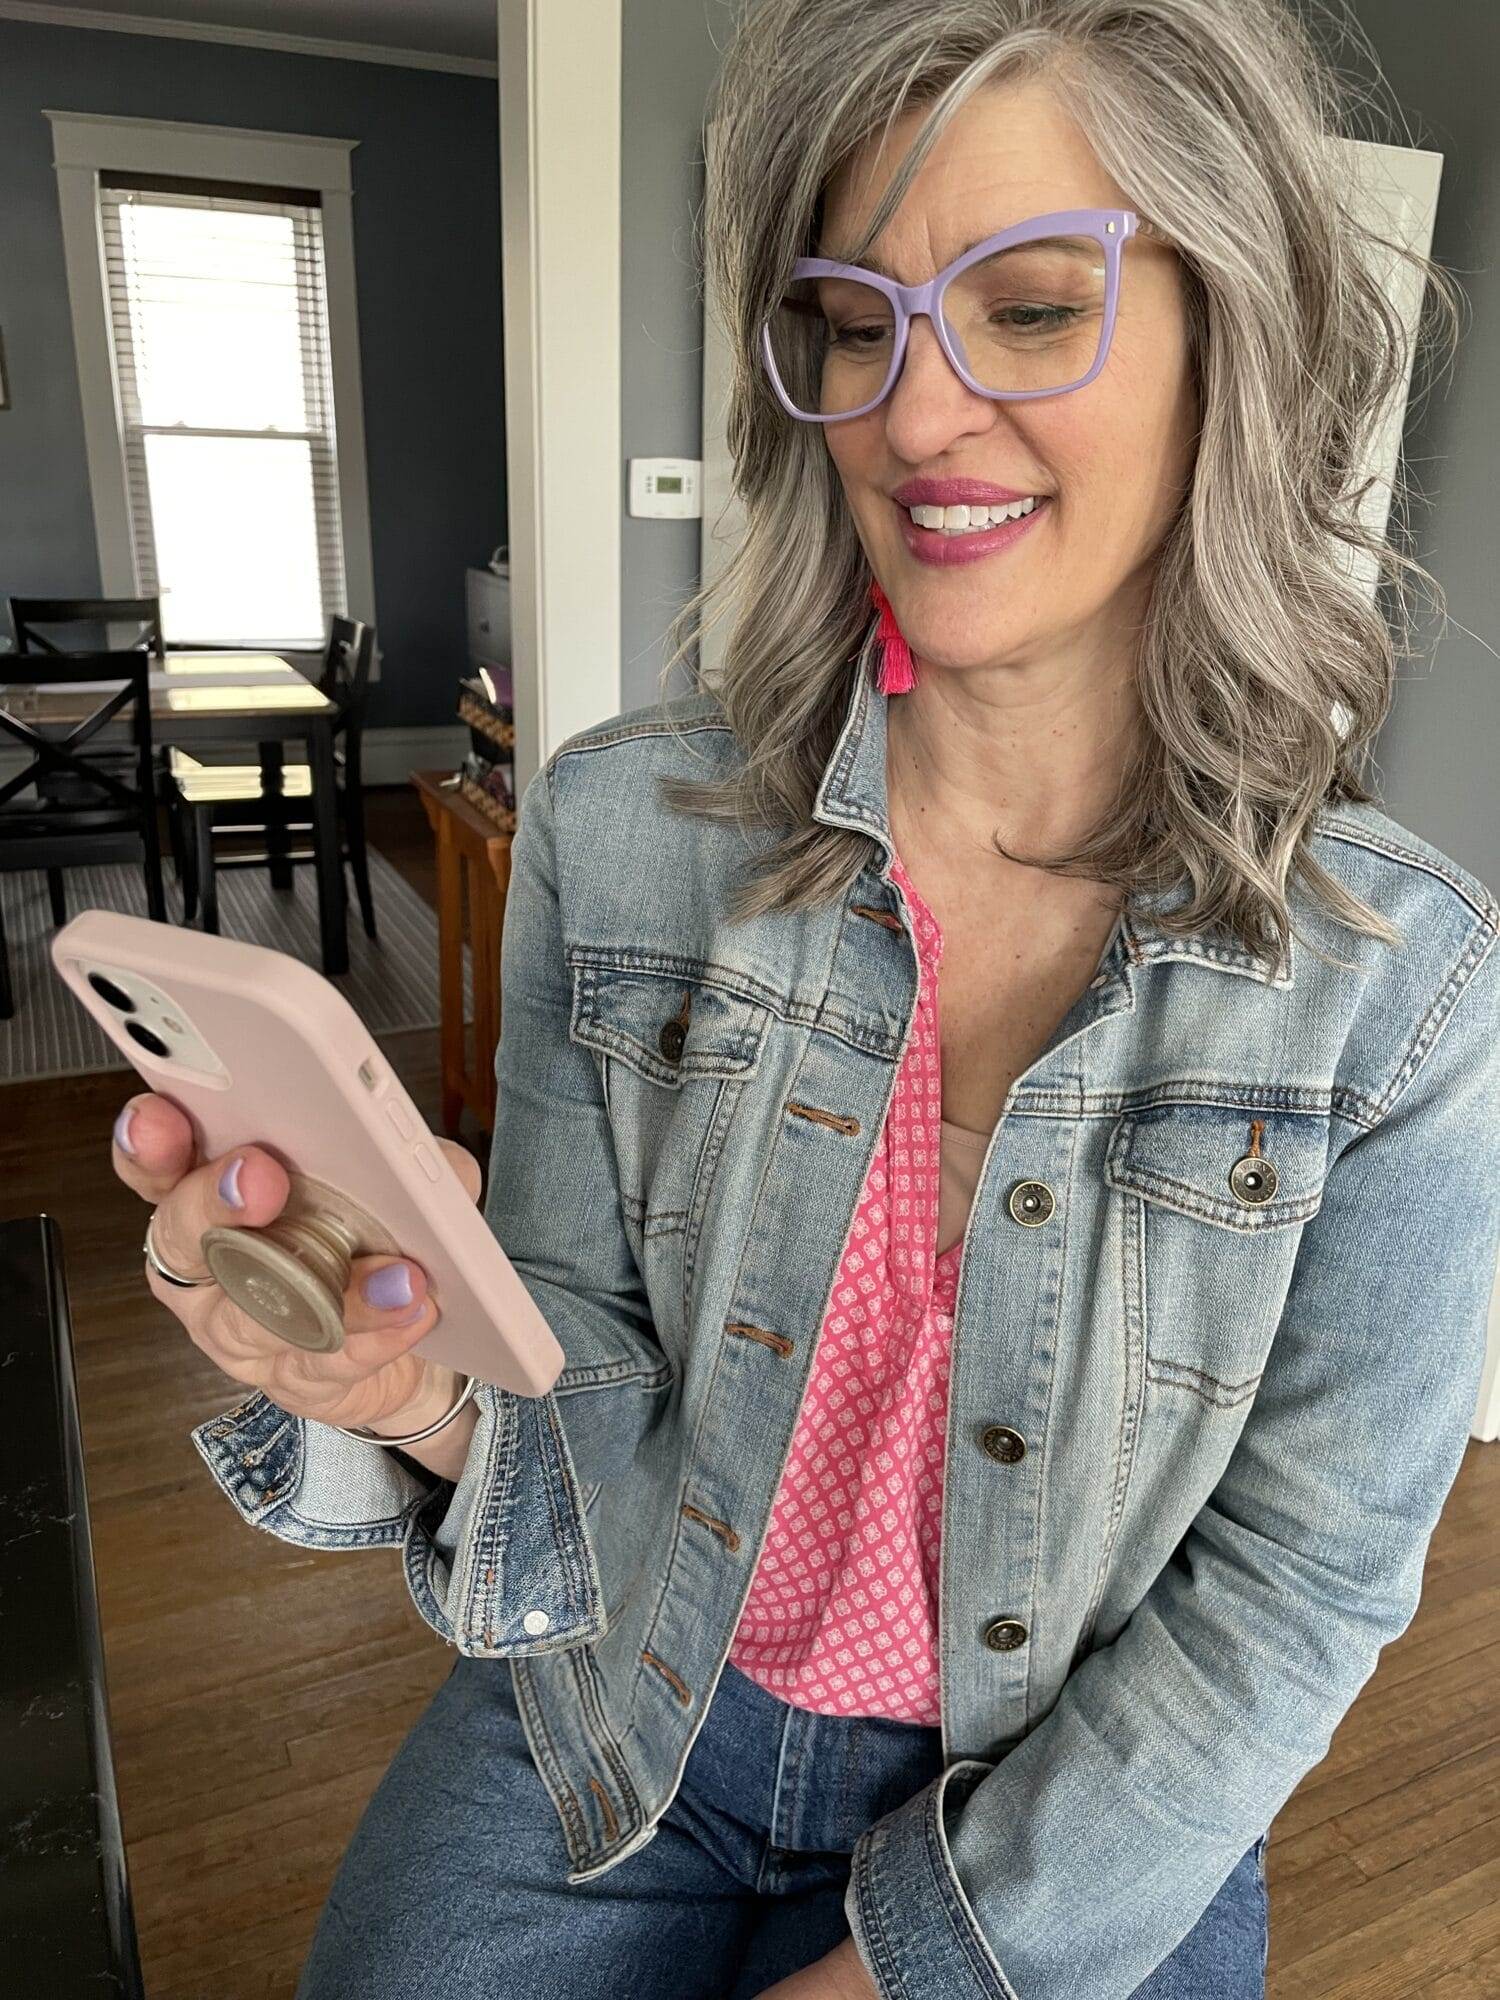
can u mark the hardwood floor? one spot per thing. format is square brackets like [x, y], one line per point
[258, 1690]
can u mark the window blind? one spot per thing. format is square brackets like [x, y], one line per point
[218, 310]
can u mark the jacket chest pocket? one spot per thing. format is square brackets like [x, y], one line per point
[1218, 1196]
[675, 1051]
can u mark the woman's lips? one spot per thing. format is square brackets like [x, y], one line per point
[931, 545]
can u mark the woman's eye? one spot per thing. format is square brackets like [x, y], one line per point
[1027, 318]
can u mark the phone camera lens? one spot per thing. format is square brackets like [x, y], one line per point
[146, 1039]
[115, 995]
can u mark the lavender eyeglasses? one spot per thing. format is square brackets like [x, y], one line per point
[840, 328]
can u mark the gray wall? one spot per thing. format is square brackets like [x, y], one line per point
[1436, 758]
[1438, 753]
[670, 58]
[426, 207]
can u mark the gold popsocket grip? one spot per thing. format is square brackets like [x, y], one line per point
[291, 1276]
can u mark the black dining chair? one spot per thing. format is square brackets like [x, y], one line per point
[85, 623]
[103, 817]
[70, 625]
[204, 799]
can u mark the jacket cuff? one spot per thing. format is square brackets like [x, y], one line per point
[510, 1555]
[912, 1924]
[307, 1483]
[498, 1562]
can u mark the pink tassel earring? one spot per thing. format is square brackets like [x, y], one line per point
[898, 675]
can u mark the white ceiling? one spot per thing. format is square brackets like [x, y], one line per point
[465, 28]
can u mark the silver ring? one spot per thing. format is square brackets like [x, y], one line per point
[164, 1271]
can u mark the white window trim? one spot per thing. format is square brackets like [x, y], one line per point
[83, 145]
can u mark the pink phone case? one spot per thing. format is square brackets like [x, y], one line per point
[304, 1078]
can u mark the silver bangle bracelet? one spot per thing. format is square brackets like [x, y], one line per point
[471, 1385]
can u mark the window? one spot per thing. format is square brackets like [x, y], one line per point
[218, 317]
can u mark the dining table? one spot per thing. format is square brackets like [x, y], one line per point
[200, 698]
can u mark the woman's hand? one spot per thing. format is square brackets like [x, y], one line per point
[839, 1976]
[374, 1379]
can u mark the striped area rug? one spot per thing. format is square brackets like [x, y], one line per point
[392, 983]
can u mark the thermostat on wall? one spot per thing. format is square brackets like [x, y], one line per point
[665, 489]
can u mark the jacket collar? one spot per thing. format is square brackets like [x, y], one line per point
[852, 793]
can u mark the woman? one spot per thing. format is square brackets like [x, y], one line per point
[992, 1452]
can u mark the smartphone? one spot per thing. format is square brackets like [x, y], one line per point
[257, 1047]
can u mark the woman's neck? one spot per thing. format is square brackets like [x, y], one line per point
[961, 771]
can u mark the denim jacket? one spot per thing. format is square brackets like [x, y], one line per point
[1202, 1416]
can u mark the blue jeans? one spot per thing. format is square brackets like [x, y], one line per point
[455, 1880]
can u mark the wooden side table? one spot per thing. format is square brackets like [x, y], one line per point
[473, 855]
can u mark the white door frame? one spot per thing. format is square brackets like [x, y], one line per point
[560, 127]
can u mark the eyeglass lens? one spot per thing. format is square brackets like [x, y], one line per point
[1030, 317]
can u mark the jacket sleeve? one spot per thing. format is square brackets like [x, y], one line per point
[499, 1562]
[1077, 1863]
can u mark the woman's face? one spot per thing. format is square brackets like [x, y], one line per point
[1113, 459]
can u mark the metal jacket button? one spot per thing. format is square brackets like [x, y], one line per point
[1031, 1202]
[1005, 1635]
[1253, 1179]
[673, 1035]
[1003, 1444]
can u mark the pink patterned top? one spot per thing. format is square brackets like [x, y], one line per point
[841, 1617]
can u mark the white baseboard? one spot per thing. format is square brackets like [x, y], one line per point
[388, 756]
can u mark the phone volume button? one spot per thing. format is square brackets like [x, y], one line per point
[425, 1161]
[398, 1117]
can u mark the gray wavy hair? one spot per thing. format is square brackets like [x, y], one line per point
[1264, 670]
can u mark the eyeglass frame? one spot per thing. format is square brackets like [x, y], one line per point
[1111, 227]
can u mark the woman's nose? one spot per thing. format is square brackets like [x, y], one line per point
[928, 398]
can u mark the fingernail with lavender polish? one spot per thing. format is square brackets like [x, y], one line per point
[388, 1287]
[229, 1182]
[122, 1130]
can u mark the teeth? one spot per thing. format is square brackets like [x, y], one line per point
[964, 520]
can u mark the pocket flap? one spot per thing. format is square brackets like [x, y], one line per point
[1183, 1156]
[667, 1026]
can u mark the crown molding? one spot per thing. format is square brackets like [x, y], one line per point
[48, 16]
